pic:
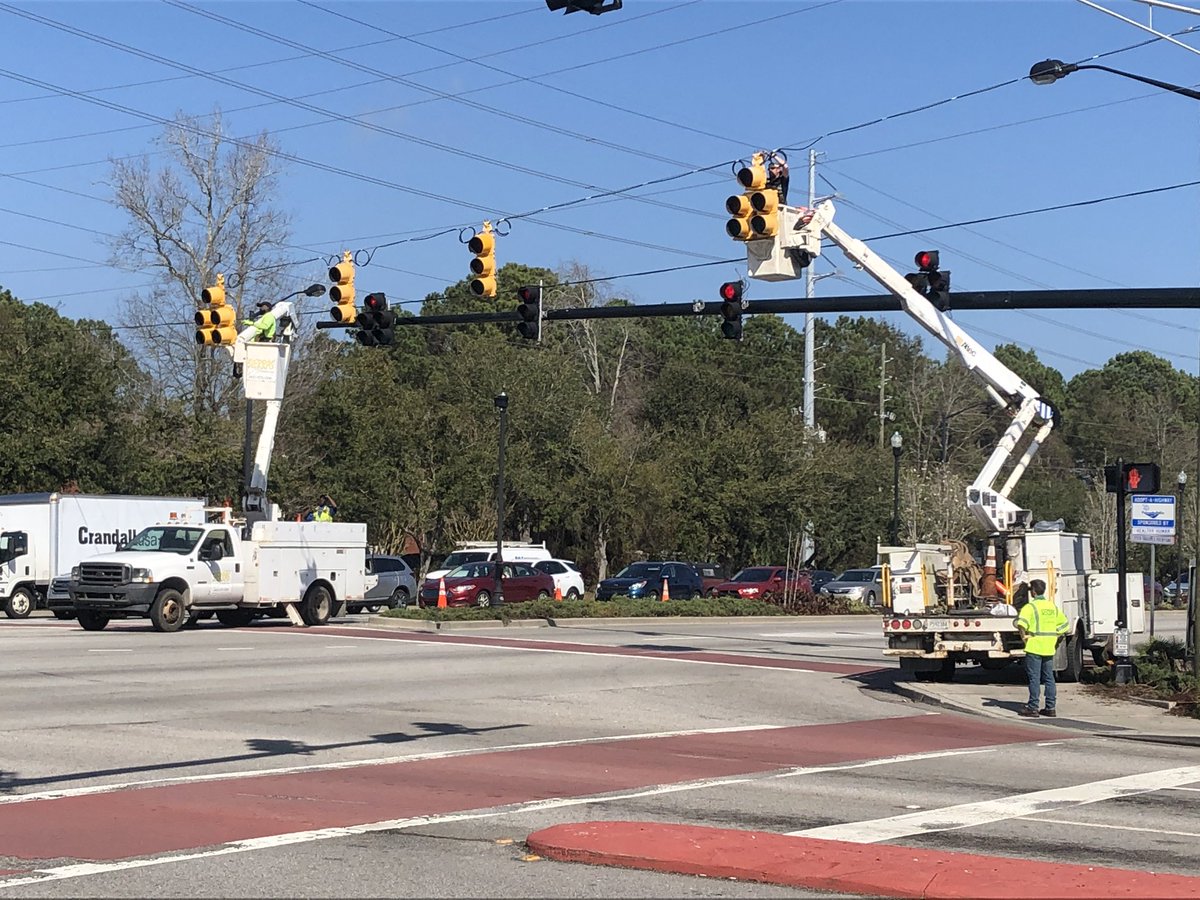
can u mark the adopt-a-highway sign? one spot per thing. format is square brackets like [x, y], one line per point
[1152, 519]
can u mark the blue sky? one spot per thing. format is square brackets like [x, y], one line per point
[585, 103]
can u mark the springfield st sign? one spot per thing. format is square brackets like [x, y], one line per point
[1152, 519]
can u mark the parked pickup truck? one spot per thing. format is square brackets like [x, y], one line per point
[173, 573]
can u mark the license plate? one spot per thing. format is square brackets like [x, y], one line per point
[937, 624]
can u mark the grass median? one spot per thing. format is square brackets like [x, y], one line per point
[624, 607]
[1163, 673]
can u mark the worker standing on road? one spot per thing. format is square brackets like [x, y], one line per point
[264, 325]
[1043, 626]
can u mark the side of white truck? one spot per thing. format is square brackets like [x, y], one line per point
[44, 535]
[172, 574]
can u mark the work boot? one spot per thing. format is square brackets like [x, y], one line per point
[1028, 712]
[1049, 712]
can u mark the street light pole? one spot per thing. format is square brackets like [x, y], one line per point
[897, 445]
[1049, 71]
[1181, 480]
[501, 402]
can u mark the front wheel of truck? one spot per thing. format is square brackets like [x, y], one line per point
[91, 620]
[167, 612]
[317, 605]
[20, 604]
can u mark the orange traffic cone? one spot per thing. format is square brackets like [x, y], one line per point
[666, 591]
[442, 593]
[558, 594]
[987, 584]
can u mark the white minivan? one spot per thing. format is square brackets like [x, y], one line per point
[485, 551]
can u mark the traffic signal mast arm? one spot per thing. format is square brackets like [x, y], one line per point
[990, 506]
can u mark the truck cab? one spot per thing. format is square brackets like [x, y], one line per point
[162, 573]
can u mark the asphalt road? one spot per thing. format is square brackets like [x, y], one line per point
[342, 761]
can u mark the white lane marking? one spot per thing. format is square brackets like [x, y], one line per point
[1050, 743]
[339, 647]
[666, 657]
[1196, 789]
[110, 650]
[1105, 825]
[969, 815]
[78, 870]
[235, 648]
[383, 761]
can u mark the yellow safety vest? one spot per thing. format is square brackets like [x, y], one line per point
[323, 514]
[1043, 623]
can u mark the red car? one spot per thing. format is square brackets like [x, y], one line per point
[473, 584]
[765, 583]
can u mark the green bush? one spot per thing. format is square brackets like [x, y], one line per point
[621, 607]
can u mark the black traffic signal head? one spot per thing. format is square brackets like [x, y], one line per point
[939, 287]
[376, 323]
[731, 309]
[530, 311]
[595, 7]
[927, 260]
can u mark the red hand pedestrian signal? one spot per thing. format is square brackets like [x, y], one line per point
[1135, 478]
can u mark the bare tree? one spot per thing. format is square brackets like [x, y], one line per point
[603, 347]
[209, 209]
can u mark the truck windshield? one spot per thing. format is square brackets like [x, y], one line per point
[461, 557]
[166, 539]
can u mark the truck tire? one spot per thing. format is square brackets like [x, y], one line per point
[1074, 669]
[63, 613]
[92, 620]
[20, 603]
[167, 612]
[317, 605]
[235, 618]
[944, 674]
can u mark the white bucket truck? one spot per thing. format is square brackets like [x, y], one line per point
[44, 535]
[175, 573]
[943, 608]
[236, 568]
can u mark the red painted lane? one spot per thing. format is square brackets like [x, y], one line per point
[138, 822]
[708, 656]
[873, 870]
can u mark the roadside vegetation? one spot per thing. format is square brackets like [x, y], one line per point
[624, 607]
[1163, 673]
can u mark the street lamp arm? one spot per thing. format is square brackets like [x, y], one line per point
[1049, 71]
[1154, 82]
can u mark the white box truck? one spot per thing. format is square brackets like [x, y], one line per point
[44, 535]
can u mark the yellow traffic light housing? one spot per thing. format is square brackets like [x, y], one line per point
[342, 292]
[483, 266]
[754, 213]
[215, 326]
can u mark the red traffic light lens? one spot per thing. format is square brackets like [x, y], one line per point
[528, 294]
[375, 302]
[926, 260]
[731, 290]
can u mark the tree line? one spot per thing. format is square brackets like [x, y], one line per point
[627, 438]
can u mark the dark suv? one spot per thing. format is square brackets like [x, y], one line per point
[645, 580]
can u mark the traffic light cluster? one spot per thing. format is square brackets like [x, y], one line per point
[732, 306]
[530, 311]
[483, 266]
[342, 292]
[755, 212]
[376, 323]
[215, 326]
[930, 282]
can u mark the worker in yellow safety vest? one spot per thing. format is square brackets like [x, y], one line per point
[325, 510]
[1043, 627]
[264, 325]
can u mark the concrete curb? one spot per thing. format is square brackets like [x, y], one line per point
[872, 870]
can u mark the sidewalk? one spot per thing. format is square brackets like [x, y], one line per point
[1001, 694]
